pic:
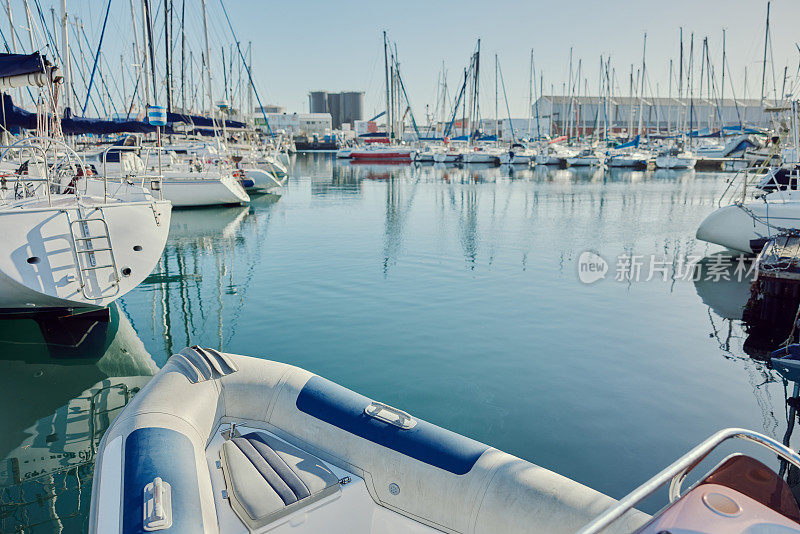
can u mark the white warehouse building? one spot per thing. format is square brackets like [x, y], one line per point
[658, 114]
[296, 123]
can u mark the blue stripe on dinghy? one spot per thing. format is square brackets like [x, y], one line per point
[161, 452]
[425, 442]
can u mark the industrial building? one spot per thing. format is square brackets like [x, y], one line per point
[658, 114]
[344, 108]
[296, 123]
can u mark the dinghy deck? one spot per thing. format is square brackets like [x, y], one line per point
[346, 503]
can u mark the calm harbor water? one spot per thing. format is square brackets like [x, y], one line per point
[450, 293]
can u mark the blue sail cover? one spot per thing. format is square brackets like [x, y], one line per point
[630, 144]
[13, 117]
[21, 64]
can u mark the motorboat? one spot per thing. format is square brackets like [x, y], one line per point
[224, 443]
[676, 158]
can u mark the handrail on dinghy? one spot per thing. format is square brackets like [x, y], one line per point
[676, 473]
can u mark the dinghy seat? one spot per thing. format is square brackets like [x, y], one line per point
[267, 478]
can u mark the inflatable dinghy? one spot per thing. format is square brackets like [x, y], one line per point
[222, 443]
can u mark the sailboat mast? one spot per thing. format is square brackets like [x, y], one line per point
[496, 115]
[530, 96]
[209, 89]
[764, 64]
[722, 94]
[64, 54]
[386, 71]
[641, 95]
[167, 55]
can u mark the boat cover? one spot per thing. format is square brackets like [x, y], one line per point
[22, 64]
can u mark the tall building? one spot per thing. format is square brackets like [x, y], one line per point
[345, 108]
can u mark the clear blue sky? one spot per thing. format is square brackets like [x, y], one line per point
[301, 46]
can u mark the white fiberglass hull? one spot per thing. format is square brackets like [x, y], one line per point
[584, 162]
[185, 192]
[736, 226]
[479, 157]
[549, 160]
[626, 162]
[41, 265]
[447, 157]
[263, 180]
[515, 159]
[673, 162]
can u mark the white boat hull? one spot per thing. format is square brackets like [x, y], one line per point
[584, 162]
[185, 192]
[263, 180]
[479, 157]
[671, 162]
[515, 159]
[736, 226]
[39, 265]
[626, 162]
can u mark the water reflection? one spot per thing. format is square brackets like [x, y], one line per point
[396, 279]
[62, 382]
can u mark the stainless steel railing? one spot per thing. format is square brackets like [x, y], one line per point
[676, 473]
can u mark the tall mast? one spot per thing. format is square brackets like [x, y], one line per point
[669, 99]
[167, 56]
[764, 65]
[146, 51]
[183, 56]
[249, 85]
[496, 115]
[136, 50]
[530, 96]
[641, 95]
[386, 72]
[209, 89]
[722, 95]
[65, 55]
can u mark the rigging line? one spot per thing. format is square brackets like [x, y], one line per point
[249, 74]
[508, 110]
[102, 76]
[88, 87]
[85, 65]
[94, 67]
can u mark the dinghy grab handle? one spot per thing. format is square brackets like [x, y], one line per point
[388, 414]
[676, 473]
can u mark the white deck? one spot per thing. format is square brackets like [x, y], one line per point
[351, 511]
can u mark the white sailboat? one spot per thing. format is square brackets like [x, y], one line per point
[73, 249]
[588, 157]
[676, 158]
